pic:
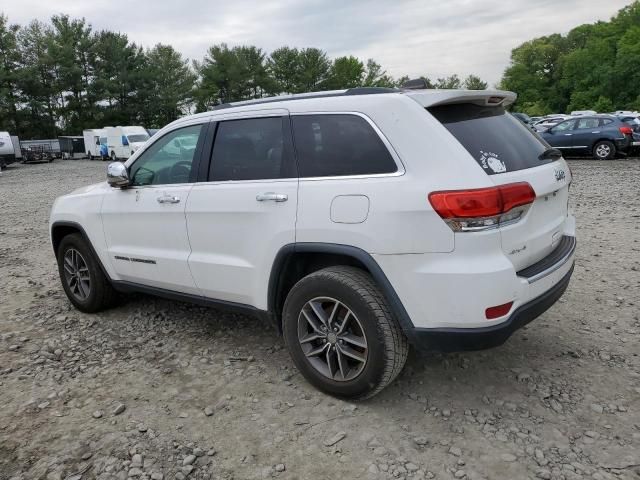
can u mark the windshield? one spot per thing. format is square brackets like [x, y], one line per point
[141, 137]
[495, 139]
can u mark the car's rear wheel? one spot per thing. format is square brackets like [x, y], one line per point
[341, 334]
[604, 150]
[82, 279]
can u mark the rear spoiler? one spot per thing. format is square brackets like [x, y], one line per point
[489, 98]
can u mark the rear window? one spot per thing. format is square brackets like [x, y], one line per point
[495, 139]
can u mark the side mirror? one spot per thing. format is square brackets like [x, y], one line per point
[98, 142]
[117, 175]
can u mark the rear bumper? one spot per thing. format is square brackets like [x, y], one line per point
[461, 339]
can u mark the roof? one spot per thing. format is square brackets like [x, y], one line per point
[426, 97]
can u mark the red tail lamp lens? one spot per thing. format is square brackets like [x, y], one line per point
[481, 202]
[497, 311]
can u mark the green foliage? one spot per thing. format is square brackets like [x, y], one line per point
[473, 82]
[594, 67]
[62, 77]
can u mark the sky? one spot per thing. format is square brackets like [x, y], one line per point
[407, 37]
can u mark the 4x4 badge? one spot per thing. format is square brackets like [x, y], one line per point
[560, 175]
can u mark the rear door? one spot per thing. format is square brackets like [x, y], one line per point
[246, 210]
[508, 152]
[587, 131]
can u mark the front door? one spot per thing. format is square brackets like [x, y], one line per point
[561, 136]
[144, 225]
[586, 130]
[240, 218]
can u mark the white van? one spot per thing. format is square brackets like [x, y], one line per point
[92, 141]
[122, 142]
[7, 151]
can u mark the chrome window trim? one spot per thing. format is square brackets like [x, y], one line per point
[396, 158]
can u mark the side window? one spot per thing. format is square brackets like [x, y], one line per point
[561, 127]
[339, 144]
[587, 123]
[252, 149]
[168, 160]
[605, 121]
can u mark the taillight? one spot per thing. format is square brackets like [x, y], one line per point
[626, 130]
[483, 208]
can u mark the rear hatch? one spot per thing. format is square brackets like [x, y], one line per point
[508, 152]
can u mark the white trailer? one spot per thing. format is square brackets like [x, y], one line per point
[123, 141]
[7, 150]
[92, 141]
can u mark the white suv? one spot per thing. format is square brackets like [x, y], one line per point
[357, 221]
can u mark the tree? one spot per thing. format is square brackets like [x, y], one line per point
[375, 76]
[172, 82]
[9, 75]
[38, 81]
[451, 82]
[284, 67]
[314, 70]
[345, 72]
[473, 82]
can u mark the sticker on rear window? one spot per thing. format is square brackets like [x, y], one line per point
[490, 160]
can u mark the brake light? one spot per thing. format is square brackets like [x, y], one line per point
[626, 130]
[497, 311]
[483, 208]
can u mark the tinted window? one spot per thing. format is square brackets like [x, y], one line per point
[605, 121]
[168, 160]
[496, 140]
[251, 149]
[587, 123]
[336, 145]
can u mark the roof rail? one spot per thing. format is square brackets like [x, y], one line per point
[286, 98]
[370, 90]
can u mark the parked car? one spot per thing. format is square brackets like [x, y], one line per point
[550, 121]
[525, 119]
[599, 135]
[580, 113]
[430, 218]
[632, 120]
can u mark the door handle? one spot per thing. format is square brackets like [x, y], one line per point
[168, 199]
[597, 131]
[273, 197]
[568, 134]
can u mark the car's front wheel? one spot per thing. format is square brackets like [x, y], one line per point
[341, 333]
[604, 150]
[82, 279]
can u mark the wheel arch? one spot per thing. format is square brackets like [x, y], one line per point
[63, 228]
[294, 261]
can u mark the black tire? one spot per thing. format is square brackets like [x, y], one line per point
[113, 156]
[604, 150]
[89, 156]
[101, 294]
[387, 346]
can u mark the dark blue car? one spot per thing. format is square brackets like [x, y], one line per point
[599, 135]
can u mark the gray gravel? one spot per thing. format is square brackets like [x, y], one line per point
[153, 389]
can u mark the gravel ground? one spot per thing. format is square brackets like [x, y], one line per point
[159, 389]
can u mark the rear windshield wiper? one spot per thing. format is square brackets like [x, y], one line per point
[550, 154]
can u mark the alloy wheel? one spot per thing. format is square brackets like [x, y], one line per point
[332, 339]
[603, 151]
[76, 274]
